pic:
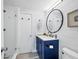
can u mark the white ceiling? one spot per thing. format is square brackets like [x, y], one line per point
[31, 4]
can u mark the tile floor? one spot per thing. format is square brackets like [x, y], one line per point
[27, 56]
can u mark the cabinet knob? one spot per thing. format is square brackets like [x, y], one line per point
[51, 46]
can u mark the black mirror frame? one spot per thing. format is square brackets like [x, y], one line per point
[61, 21]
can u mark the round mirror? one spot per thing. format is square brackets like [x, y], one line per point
[54, 21]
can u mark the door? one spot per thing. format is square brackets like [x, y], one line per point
[25, 42]
[9, 31]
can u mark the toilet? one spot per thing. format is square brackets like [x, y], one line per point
[69, 54]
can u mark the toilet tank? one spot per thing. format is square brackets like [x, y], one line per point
[69, 54]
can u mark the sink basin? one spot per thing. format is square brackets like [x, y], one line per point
[46, 37]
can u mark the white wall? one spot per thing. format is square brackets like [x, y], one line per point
[68, 36]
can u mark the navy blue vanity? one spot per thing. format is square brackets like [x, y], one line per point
[47, 47]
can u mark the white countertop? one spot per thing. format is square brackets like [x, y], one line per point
[46, 38]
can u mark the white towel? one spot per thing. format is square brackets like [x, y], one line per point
[70, 52]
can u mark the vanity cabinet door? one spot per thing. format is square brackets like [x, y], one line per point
[51, 49]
